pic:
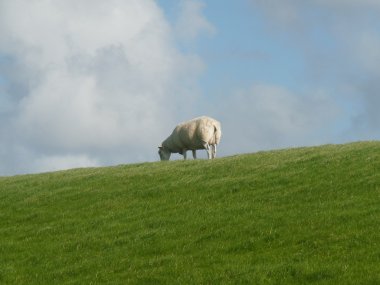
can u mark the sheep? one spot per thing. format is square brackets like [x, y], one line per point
[199, 133]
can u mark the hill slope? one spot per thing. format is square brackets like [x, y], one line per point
[283, 217]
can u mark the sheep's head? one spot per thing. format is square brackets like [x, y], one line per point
[164, 153]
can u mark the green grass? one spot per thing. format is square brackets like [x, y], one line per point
[296, 216]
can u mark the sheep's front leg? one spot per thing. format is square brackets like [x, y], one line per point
[194, 154]
[184, 154]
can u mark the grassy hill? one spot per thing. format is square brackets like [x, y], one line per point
[297, 216]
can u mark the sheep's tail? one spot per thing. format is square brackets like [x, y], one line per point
[217, 132]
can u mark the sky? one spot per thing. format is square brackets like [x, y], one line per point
[96, 83]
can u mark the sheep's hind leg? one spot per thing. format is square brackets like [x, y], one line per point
[194, 154]
[213, 150]
[207, 148]
[184, 154]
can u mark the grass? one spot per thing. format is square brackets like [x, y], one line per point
[296, 216]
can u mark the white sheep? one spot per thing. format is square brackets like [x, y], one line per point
[199, 133]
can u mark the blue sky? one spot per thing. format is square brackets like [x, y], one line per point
[92, 83]
[239, 50]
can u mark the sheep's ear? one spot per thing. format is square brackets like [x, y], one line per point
[160, 147]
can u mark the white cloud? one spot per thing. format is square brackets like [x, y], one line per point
[191, 22]
[267, 116]
[342, 37]
[53, 163]
[102, 82]
[100, 79]
[366, 48]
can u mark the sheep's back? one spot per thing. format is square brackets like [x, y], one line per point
[187, 135]
[192, 134]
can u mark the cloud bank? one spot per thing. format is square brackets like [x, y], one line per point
[267, 116]
[91, 83]
[87, 83]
